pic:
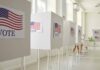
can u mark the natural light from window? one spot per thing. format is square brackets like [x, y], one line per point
[37, 7]
[41, 6]
[79, 17]
[69, 10]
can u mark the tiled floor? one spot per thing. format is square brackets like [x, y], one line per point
[89, 60]
[85, 61]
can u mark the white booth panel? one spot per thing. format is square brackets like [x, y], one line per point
[72, 33]
[69, 29]
[14, 29]
[79, 33]
[56, 31]
[40, 39]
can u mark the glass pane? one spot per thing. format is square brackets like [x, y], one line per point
[41, 5]
[69, 10]
[33, 8]
[79, 17]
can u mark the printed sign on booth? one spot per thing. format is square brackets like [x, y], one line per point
[11, 23]
[72, 31]
[36, 27]
[57, 29]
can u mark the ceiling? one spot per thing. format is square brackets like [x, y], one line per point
[91, 5]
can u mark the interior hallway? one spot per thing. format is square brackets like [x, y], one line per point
[83, 13]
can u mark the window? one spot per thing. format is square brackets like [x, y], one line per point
[41, 5]
[69, 10]
[79, 17]
[33, 8]
[38, 6]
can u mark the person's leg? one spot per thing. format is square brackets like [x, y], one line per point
[81, 48]
[74, 48]
[78, 49]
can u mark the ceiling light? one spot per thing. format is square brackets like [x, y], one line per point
[76, 6]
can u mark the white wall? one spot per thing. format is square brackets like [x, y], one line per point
[92, 22]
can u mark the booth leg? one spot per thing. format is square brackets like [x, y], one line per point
[23, 66]
[38, 58]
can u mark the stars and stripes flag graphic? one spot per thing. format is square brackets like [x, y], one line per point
[35, 25]
[10, 19]
[57, 28]
[72, 31]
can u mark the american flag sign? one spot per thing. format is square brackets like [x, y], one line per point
[72, 30]
[11, 19]
[35, 26]
[57, 28]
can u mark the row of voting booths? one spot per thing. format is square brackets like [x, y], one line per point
[46, 31]
[69, 33]
[49, 31]
[18, 35]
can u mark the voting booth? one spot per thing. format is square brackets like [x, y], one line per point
[14, 29]
[46, 31]
[72, 33]
[69, 29]
[79, 33]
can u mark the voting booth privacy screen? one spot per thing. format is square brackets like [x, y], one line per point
[69, 33]
[14, 29]
[79, 33]
[72, 33]
[46, 31]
